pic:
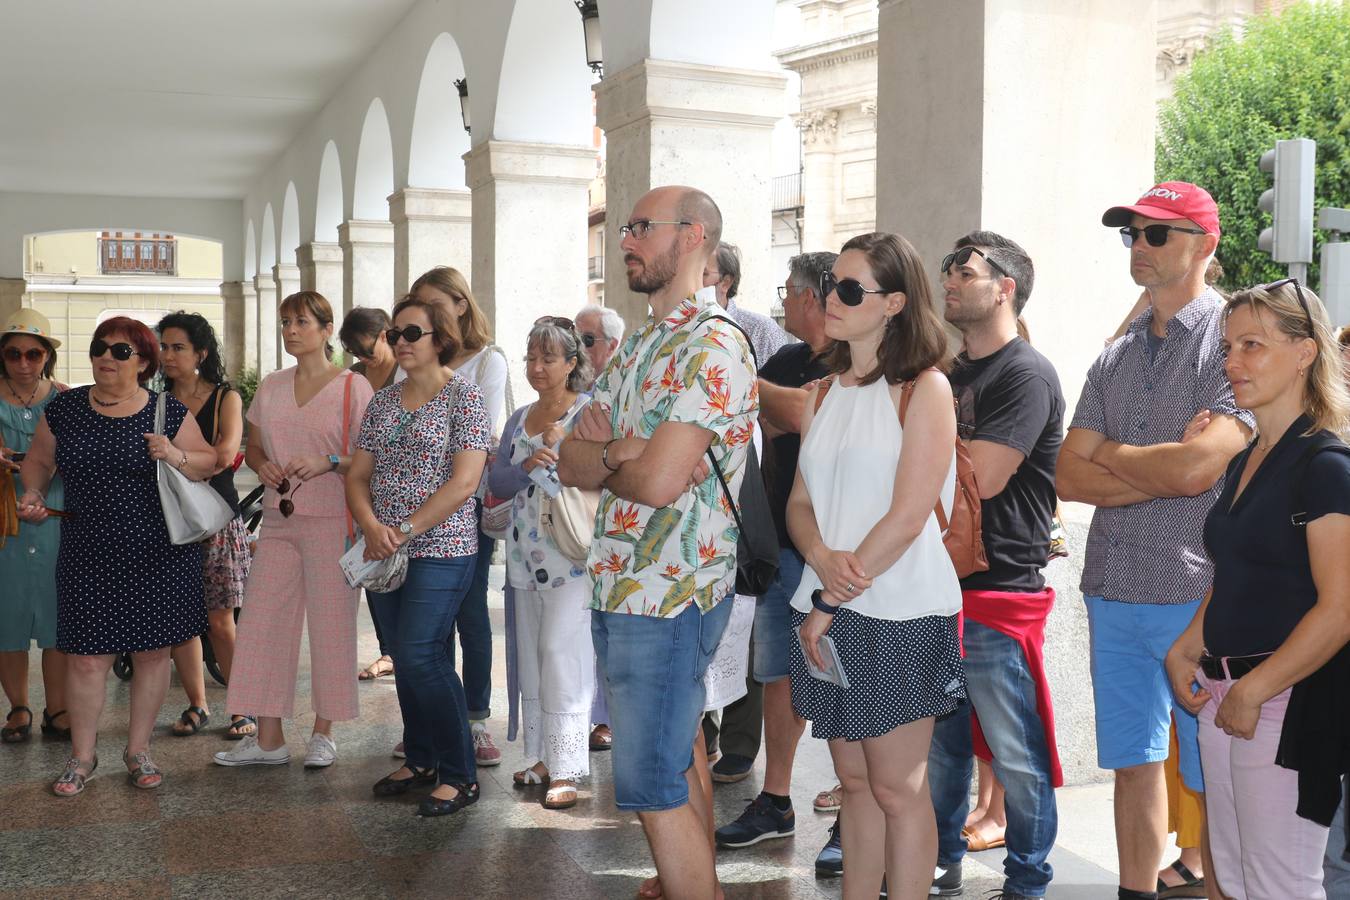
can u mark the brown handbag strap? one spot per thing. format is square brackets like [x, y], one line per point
[906, 394]
[215, 416]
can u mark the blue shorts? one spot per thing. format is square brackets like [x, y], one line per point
[652, 670]
[1130, 688]
[773, 635]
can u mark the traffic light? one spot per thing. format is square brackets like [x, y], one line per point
[1289, 238]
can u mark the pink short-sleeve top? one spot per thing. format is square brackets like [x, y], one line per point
[317, 428]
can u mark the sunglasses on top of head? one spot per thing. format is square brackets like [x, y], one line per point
[409, 333]
[567, 324]
[32, 354]
[962, 256]
[1156, 234]
[121, 351]
[1298, 292]
[849, 290]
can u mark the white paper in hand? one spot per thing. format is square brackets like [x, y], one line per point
[355, 567]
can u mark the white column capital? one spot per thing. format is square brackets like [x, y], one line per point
[525, 162]
[373, 232]
[283, 272]
[708, 95]
[317, 253]
[430, 204]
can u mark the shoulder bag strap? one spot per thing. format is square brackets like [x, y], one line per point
[731, 501]
[346, 440]
[215, 417]
[159, 413]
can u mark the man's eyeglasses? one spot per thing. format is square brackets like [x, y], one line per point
[849, 290]
[287, 506]
[1298, 292]
[962, 256]
[32, 354]
[1155, 234]
[120, 351]
[411, 334]
[640, 228]
[782, 292]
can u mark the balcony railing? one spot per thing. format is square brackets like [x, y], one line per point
[137, 254]
[595, 268]
[787, 192]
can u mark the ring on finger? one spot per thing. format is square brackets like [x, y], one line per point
[850, 588]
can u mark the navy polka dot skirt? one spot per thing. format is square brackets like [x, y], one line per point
[898, 672]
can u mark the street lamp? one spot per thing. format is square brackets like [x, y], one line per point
[590, 25]
[462, 86]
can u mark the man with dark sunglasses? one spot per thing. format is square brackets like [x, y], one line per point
[601, 330]
[1145, 570]
[1010, 413]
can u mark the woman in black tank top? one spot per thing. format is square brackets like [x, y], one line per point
[193, 372]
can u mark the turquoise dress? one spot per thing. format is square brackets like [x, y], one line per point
[28, 562]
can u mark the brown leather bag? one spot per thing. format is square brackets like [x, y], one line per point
[962, 535]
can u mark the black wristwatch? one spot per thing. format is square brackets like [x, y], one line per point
[819, 603]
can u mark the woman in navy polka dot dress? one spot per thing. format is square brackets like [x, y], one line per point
[121, 586]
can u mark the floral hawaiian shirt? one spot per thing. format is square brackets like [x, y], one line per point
[695, 368]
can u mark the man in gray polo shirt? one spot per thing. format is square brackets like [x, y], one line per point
[1145, 570]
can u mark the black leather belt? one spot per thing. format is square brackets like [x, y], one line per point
[1236, 666]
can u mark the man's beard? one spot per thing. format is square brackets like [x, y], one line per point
[655, 275]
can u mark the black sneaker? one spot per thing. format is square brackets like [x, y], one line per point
[732, 768]
[830, 862]
[946, 881]
[761, 821]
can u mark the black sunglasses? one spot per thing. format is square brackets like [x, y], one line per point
[962, 256]
[849, 290]
[410, 333]
[287, 506]
[120, 351]
[1155, 234]
[567, 324]
[358, 352]
[1298, 292]
[587, 339]
[32, 354]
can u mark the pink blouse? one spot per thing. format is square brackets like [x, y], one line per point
[315, 429]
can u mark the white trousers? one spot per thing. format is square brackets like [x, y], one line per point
[557, 677]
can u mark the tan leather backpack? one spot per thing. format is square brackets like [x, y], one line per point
[962, 534]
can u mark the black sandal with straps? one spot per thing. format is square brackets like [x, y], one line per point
[51, 729]
[17, 734]
[193, 725]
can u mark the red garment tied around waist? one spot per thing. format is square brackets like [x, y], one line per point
[1022, 618]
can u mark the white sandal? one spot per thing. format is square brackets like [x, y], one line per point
[561, 789]
[528, 777]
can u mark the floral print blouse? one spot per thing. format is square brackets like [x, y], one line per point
[693, 367]
[533, 561]
[414, 457]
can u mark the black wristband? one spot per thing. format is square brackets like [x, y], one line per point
[604, 455]
[819, 603]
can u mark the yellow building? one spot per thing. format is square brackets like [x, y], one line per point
[79, 278]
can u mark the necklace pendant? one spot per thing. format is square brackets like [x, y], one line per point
[27, 413]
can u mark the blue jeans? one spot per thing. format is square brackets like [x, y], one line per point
[1000, 688]
[417, 620]
[653, 676]
[773, 635]
[1336, 868]
[475, 634]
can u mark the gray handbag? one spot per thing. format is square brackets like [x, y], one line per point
[192, 509]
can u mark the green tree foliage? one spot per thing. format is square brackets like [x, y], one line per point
[1288, 76]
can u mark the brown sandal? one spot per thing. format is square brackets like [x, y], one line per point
[829, 801]
[378, 669]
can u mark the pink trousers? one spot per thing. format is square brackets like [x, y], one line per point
[1262, 850]
[296, 578]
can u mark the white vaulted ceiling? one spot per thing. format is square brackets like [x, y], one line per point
[189, 99]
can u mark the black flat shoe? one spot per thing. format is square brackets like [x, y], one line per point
[49, 727]
[433, 806]
[389, 786]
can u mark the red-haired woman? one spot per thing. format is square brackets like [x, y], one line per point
[121, 586]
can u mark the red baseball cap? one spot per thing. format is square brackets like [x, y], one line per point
[1169, 200]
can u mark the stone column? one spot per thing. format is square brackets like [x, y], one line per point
[321, 270]
[819, 183]
[249, 335]
[233, 343]
[1000, 114]
[529, 237]
[266, 341]
[1011, 133]
[286, 276]
[431, 228]
[367, 263]
[705, 126]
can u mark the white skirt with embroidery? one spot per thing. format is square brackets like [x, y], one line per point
[724, 682]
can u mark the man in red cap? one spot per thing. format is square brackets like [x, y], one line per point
[1129, 453]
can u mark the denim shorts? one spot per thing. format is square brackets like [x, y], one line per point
[1130, 689]
[773, 635]
[652, 670]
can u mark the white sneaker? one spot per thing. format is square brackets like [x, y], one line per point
[249, 753]
[321, 752]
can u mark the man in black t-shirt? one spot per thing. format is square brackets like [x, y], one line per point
[1010, 413]
[782, 402]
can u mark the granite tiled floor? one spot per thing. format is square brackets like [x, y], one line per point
[285, 831]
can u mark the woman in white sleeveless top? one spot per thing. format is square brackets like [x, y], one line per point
[879, 583]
